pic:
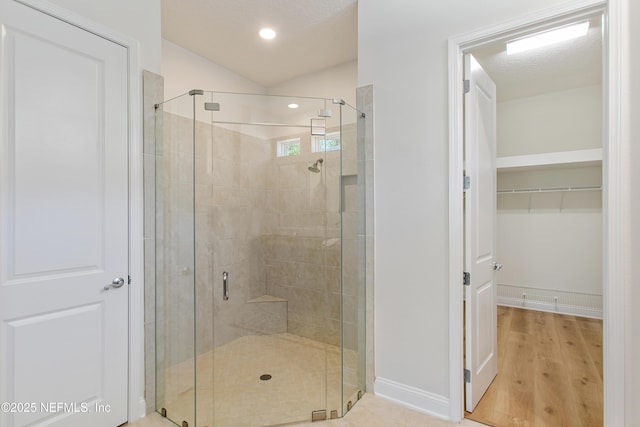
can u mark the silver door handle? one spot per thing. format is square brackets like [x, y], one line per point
[116, 283]
[497, 266]
[225, 286]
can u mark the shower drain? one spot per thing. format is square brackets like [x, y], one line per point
[265, 377]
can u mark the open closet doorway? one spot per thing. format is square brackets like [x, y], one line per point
[548, 222]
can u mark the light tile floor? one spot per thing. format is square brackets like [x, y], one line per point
[370, 411]
[306, 376]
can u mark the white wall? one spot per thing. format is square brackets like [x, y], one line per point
[335, 82]
[558, 121]
[548, 249]
[551, 240]
[184, 70]
[402, 51]
[139, 20]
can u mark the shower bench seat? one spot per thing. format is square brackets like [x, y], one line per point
[266, 314]
[267, 298]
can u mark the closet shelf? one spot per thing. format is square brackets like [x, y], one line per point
[548, 190]
[562, 158]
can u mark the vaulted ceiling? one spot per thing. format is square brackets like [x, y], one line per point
[317, 34]
[311, 34]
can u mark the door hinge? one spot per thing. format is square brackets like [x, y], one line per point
[128, 280]
[467, 376]
[466, 278]
[319, 415]
[467, 86]
[466, 182]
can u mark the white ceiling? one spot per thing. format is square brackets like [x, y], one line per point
[312, 34]
[318, 34]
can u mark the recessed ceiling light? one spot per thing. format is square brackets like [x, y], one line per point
[547, 38]
[267, 33]
[293, 105]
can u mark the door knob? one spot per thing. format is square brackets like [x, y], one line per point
[116, 283]
[497, 266]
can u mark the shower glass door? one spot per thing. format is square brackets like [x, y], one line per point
[268, 233]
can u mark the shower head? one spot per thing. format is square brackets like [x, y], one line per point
[315, 167]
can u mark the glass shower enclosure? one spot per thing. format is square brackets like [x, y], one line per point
[260, 263]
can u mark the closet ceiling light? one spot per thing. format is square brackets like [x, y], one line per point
[293, 105]
[547, 38]
[267, 33]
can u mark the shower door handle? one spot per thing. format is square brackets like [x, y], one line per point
[225, 285]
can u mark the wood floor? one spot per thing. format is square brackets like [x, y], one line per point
[549, 372]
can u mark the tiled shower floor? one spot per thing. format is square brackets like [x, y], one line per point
[305, 376]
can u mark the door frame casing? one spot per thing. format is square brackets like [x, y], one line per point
[615, 184]
[135, 400]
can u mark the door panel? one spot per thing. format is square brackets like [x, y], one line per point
[65, 226]
[50, 159]
[484, 322]
[79, 371]
[480, 221]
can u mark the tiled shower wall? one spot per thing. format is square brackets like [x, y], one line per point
[304, 254]
[234, 210]
[268, 222]
[275, 228]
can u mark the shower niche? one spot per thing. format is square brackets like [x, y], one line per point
[260, 259]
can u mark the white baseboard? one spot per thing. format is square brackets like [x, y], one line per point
[414, 398]
[139, 412]
[562, 302]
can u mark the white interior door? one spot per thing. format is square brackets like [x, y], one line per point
[481, 359]
[63, 223]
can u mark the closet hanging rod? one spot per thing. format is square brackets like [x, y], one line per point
[548, 190]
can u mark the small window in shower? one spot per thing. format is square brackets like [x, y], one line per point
[328, 142]
[288, 147]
